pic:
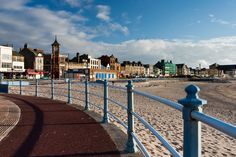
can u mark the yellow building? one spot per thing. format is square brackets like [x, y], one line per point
[132, 69]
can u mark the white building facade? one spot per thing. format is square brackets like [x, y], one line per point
[18, 65]
[94, 63]
[5, 60]
[38, 64]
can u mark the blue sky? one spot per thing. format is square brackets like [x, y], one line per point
[185, 31]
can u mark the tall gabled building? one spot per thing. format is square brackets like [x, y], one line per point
[167, 67]
[182, 70]
[148, 70]
[110, 61]
[33, 61]
[132, 69]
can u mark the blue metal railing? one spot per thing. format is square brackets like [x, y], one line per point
[190, 107]
[226, 128]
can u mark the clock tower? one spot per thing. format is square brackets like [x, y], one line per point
[55, 71]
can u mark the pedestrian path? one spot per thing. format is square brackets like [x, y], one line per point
[52, 128]
[9, 116]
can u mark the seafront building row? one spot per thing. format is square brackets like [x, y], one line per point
[35, 63]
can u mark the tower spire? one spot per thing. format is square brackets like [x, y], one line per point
[55, 42]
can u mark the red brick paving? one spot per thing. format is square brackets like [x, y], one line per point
[51, 128]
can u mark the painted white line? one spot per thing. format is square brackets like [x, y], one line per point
[11, 120]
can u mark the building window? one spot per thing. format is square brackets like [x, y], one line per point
[17, 67]
[6, 57]
[6, 65]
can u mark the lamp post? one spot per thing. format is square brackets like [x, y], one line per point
[12, 69]
[86, 69]
[68, 61]
[52, 63]
[86, 86]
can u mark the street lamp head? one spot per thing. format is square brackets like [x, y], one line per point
[86, 71]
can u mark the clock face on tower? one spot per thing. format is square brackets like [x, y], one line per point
[56, 49]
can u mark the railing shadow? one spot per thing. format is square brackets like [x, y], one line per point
[27, 146]
[95, 154]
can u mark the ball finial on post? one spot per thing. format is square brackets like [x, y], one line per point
[192, 99]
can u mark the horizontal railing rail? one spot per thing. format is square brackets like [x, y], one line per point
[118, 120]
[224, 127]
[118, 103]
[170, 103]
[117, 87]
[190, 107]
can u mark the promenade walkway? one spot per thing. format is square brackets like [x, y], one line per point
[52, 128]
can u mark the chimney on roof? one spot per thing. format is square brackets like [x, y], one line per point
[25, 46]
[77, 56]
[162, 61]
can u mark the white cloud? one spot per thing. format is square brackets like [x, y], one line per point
[103, 12]
[214, 19]
[125, 18]
[38, 25]
[139, 17]
[78, 3]
[13, 4]
[104, 15]
[117, 26]
[226, 61]
[73, 17]
[73, 3]
[41, 22]
[193, 53]
[211, 15]
[203, 63]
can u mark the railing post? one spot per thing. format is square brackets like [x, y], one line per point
[52, 89]
[131, 145]
[105, 110]
[36, 87]
[69, 91]
[20, 87]
[86, 95]
[192, 127]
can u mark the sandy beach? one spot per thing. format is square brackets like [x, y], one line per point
[221, 104]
